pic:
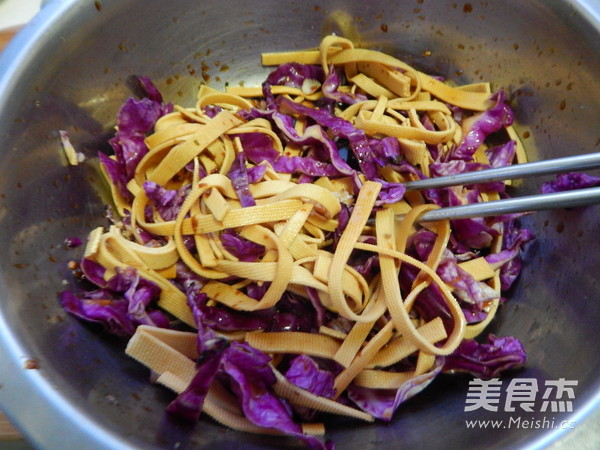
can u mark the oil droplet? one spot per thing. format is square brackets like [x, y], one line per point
[467, 7]
[384, 27]
[31, 363]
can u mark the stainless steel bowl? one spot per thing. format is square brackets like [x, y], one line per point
[65, 386]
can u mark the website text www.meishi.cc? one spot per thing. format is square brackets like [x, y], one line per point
[520, 422]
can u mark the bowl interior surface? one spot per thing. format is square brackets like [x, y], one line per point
[69, 70]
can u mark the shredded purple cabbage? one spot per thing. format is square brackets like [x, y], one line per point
[475, 294]
[295, 74]
[241, 248]
[290, 314]
[570, 181]
[502, 155]
[119, 304]
[473, 233]
[251, 378]
[246, 372]
[324, 149]
[305, 373]
[383, 403]
[340, 128]
[93, 271]
[151, 92]
[72, 242]
[221, 318]
[485, 123]
[326, 159]
[238, 174]
[135, 119]
[167, 201]
[458, 166]
[258, 148]
[509, 258]
[487, 360]
[188, 405]
[330, 90]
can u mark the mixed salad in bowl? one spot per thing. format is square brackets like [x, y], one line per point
[264, 260]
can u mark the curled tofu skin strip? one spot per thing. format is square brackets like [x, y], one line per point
[193, 152]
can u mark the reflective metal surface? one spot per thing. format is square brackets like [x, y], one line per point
[66, 386]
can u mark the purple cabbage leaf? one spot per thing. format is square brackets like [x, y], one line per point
[120, 304]
[247, 373]
[166, 201]
[135, 120]
[383, 403]
[188, 404]
[570, 181]
[258, 148]
[252, 379]
[339, 127]
[509, 259]
[241, 248]
[482, 125]
[486, 360]
[295, 75]
[473, 295]
[306, 374]
[331, 90]
[238, 174]
[502, 155]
